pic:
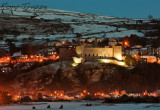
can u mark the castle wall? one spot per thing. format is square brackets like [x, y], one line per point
[97, 52]
[117, 52]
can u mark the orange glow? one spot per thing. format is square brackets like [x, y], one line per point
[145, 93]
[57, 57]
[88, 93]
[61, 95]
[55, 92]
[40, 60]
[81, 94]
[8, 58]
[95, 94]
[102, 94]
[31, 56]
[9, 94]
[63, 42]
[126, 43]
[84, 91]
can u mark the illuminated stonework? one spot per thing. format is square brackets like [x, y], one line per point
[112, 61]
[74, 64]
[77, 61]
[88, 52]
[107, 54]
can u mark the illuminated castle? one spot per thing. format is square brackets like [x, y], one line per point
[108, 54]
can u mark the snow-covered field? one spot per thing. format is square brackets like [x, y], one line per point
[88, 25]
[96, 105]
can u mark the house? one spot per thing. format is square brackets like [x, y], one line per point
[133, 94]
[149, 59]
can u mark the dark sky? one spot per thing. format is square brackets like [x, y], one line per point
[117, 8]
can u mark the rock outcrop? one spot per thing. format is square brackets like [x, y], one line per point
[62, 73]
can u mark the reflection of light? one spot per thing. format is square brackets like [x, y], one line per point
[121, 63]
[77, 60]
[74, 64]
[119, 57]
[104, 60]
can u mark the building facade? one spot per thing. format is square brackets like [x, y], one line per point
[92, 53]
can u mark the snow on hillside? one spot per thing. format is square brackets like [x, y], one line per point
[124, 33]
[92, 28]
[88, 25]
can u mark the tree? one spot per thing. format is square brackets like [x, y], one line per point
[26, 49]
[130, 61]
[12, 47]
[150, 17]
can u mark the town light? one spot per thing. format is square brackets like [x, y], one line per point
[81, 94]
[57, 57]
[31, 56]
[126, 43]
[41, 60]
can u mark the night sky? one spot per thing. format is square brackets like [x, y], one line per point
[117, 8]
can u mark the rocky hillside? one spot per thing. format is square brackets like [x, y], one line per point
[93, 76]
[62, 75]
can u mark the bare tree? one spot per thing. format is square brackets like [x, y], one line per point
[150, 17]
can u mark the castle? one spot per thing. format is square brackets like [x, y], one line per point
[108, 54]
